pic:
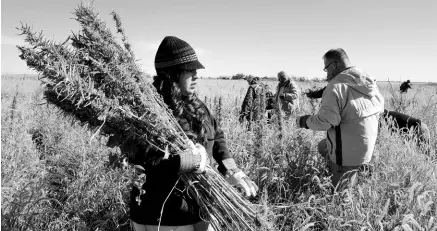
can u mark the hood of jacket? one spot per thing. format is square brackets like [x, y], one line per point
[358, 80]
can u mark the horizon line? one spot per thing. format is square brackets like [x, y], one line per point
[206, 77]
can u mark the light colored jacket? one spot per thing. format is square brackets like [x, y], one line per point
[350, 109]
[291, 100]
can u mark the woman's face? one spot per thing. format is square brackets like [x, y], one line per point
[187, 82]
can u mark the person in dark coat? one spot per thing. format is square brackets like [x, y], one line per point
[404, 123]
[258, 100]
[163, 201]
[287, 95]
[405, 86]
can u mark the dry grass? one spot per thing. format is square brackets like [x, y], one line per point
[68, 181]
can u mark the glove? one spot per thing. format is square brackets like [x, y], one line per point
[198, 149]
[315, 94]
[193, 159]
[240, 180]
[301, 121]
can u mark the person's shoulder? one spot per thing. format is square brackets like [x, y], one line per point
[336, 87]
[292, 82]
[209, 115]
[335, 83]
[202, 105]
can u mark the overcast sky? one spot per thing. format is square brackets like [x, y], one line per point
[387, 39]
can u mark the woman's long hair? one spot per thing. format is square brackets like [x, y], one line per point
[188, 110]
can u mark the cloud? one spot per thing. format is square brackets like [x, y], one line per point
[12, 40]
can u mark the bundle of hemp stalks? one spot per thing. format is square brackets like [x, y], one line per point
[95, 79]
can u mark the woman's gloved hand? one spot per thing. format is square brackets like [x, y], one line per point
[193, 159]
[242, 181]
[198, 149]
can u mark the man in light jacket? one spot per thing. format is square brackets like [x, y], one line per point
[396, 122]
[349, 112]
[287, 94]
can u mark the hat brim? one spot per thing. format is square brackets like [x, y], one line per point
[189, 66]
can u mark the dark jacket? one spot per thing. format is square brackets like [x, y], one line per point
[405, 86]
[258, 99]
[161, 177]
[401, 121]
[404, 123]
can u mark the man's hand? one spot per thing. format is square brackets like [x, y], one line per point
[242, 181]
[314, 94]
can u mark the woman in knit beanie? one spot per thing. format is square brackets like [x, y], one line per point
[165, 202]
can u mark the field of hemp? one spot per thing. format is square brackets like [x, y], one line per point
[58, 175]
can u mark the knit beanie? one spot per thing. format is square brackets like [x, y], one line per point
[176, 54]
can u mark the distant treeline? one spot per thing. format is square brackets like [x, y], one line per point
[234, 77]
[271, 78]
[20, 76]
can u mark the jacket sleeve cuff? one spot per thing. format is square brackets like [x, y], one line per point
[303, 121]
[189, 162]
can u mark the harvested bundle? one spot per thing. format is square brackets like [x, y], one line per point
[96, 80]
